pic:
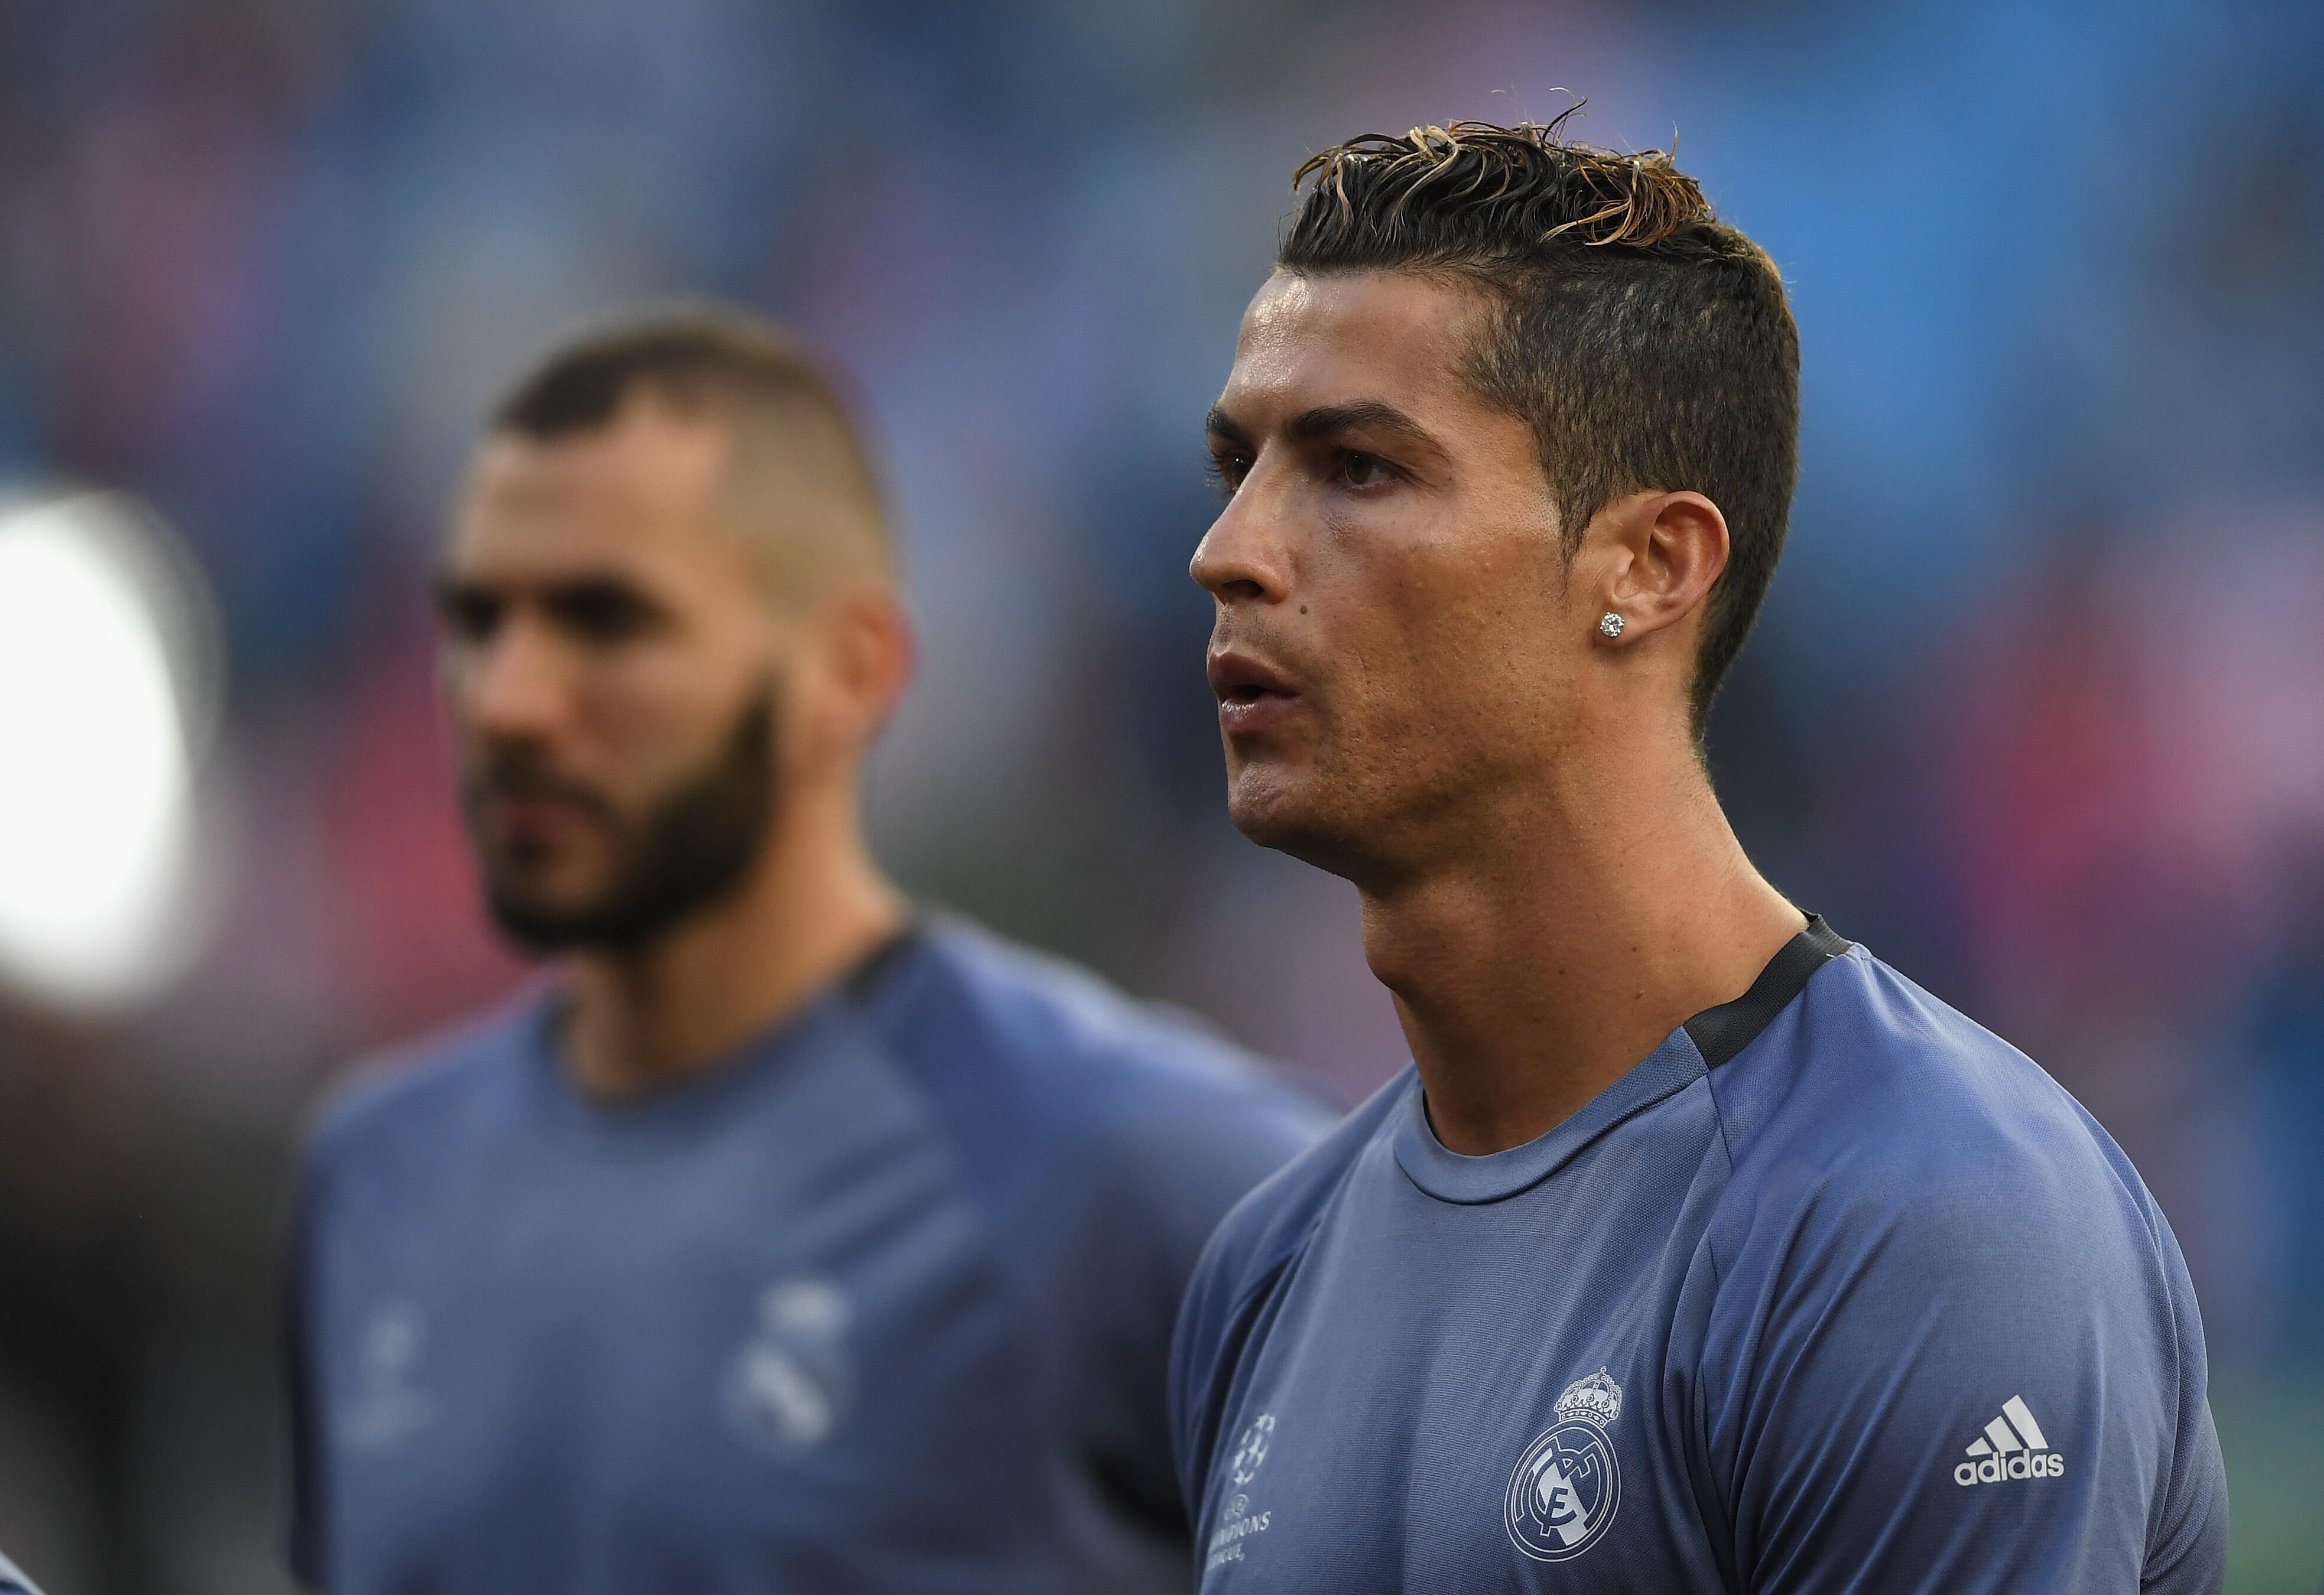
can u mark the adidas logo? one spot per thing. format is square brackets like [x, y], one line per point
[2012, 1446]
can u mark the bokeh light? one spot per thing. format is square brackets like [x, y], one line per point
[104, 704]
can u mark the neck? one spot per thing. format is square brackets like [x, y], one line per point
[812, 906]
[1608, 903]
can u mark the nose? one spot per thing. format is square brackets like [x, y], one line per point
[1242, 559]
[512, 687]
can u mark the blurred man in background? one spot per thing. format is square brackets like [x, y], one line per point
[13, 1581]
[1700, 1250]
[786, 1241]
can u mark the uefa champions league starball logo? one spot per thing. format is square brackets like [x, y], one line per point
[1253, 1451]
[390, 1403]
[1566, 1488]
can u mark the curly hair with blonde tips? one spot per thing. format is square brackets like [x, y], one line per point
[1518, 186]
[1647, 345]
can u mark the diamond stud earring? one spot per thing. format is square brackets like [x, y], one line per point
[1611, 625]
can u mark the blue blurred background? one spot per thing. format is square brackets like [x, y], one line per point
[2036, 712]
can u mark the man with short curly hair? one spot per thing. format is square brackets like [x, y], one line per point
[1699, 1249]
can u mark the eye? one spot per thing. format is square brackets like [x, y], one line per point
[468, 616]
[602, 613]
[1358, 469]
[1225, 468]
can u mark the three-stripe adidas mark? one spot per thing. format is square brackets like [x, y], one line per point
[2012, 1446]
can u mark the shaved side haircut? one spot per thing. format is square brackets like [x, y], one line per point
[798, 467]
[1646, 344]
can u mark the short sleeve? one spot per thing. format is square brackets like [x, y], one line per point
[1977, 1381]
[1175, 1170]
[1231, 1294]
[1198, 1348]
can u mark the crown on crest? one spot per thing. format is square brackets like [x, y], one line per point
[1596, 1399]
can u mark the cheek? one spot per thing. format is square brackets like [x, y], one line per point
[1452, 642]
[649, 725]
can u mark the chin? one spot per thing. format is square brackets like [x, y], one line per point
[546, 925]
[1286, 814]
[539, 912]
[548, 878]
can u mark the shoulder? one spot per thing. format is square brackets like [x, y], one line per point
[972, 1016]
[412, 1095]
[1921, 1230]
[1868, 1079]
[1873, 1123]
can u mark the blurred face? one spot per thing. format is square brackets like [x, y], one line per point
[1394, 643]
[614, 673]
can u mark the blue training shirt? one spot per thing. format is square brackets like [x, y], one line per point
[883, 1302]
[1835, 1291]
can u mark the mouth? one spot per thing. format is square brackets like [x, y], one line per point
[527, 813]
[1252, 694]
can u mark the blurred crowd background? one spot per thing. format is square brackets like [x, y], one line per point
[2037, 710]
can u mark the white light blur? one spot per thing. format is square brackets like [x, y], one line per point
[107, 687]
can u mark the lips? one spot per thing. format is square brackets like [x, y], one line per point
[516, 802]
[527, 817]
[1252, 693]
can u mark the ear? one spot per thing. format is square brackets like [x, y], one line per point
[860, 655]
[1666, 550]
[873, 648]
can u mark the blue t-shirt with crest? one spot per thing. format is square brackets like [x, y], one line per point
[881, 1303]
[1834, 1291]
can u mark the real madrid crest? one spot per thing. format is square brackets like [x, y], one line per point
[791, 1383]
[1565, 1490]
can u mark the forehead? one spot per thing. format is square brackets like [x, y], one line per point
[641, 492]
[1392, 336]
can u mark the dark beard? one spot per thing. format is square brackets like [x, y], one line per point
[690, 852]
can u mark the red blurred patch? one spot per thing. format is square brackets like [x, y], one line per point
[419, 946]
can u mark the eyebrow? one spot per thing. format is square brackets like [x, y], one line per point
[450, 587]
[1328, 420]
[1218, 423]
